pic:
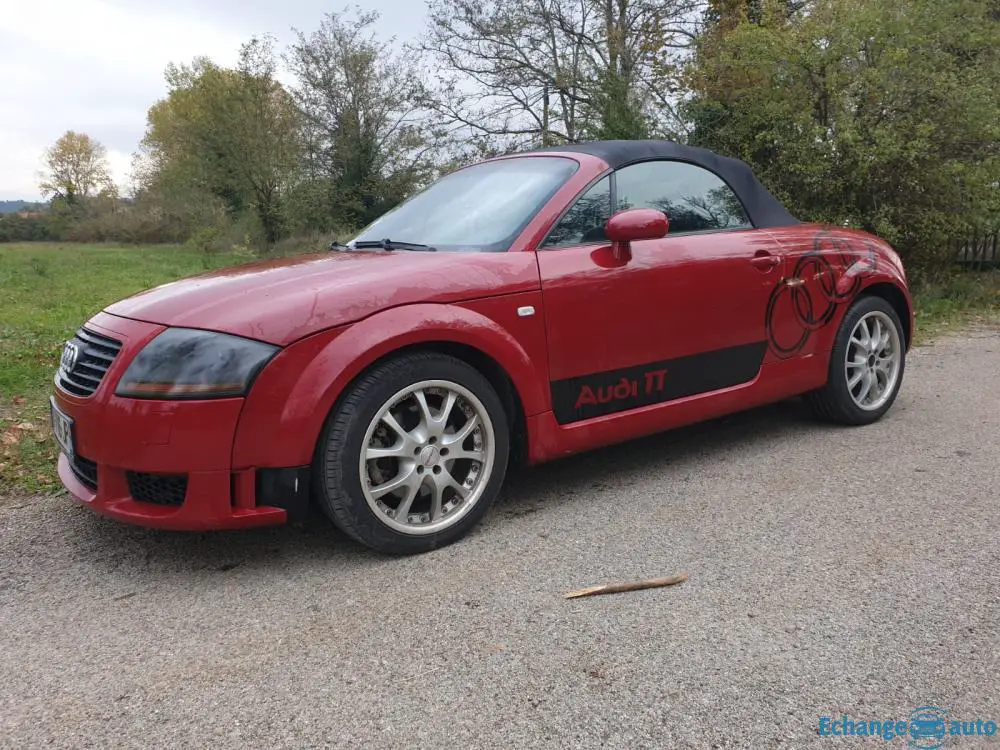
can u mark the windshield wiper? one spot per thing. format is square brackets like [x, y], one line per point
[388, 244]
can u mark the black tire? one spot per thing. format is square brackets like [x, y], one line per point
[833, 402]
[336, 470]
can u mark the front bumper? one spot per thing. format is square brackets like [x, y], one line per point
[208, 503]
[166, 464]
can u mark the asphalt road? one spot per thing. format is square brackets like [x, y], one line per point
[832, 572]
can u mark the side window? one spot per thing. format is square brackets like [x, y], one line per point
[694, 199]
[585, 220]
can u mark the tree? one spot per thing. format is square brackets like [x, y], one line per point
[539, 72]
[267, 128]
[881, 114]
[77, 168]
[234, 135]
[368, 144]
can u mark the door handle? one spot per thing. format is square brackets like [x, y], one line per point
[764, 261]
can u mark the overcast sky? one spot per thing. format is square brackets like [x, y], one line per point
[96, 66]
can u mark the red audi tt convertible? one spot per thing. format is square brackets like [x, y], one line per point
[521, 309]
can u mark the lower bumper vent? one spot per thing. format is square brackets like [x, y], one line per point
[158, 489]
[85, 470]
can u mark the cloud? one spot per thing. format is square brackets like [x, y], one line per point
[90, 66]
[96, 66]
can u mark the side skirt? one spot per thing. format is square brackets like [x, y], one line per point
[548, 439]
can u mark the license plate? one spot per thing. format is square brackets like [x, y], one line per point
[62, 430]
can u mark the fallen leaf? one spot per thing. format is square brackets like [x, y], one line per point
[26, 426]
[18, 400]
[10, 438]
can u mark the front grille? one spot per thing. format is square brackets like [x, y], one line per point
[85, 470]
[159, 489]
[96, 353]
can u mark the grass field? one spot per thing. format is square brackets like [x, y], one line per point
[47, 291]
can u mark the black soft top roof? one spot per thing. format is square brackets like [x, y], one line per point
[763, 208]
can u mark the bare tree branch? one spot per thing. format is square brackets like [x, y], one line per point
[555, 69]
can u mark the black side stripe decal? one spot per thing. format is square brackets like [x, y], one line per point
[597, 394]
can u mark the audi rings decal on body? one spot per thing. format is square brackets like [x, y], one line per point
[812, 289]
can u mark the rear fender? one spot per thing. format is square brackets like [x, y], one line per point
[871, 274]
[292, 397]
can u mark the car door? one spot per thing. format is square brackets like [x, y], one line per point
[683, 315]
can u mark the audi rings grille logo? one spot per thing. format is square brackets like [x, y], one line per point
[810, 297]
[70, 354]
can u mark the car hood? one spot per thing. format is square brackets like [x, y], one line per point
[279, 301]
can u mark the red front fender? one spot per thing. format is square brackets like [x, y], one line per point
[291, 398]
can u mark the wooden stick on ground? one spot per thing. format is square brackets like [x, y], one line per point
[615, 588]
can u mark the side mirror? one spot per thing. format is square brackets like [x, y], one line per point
[632, 225]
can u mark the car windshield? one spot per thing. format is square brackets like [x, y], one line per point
[481, 208]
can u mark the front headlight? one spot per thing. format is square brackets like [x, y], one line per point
[183, 363]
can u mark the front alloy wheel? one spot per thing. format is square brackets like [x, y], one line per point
[428, 456]
[414, 455]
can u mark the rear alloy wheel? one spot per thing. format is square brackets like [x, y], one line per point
[415, 456]
[866, 366]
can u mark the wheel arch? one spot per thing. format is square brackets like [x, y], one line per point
[476, 358]
[293, 398]
[900, 302]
